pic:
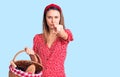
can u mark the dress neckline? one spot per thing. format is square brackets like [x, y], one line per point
[52, 45]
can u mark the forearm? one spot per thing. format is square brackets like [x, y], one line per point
[33, 58]
[32, 54]
[63, 34]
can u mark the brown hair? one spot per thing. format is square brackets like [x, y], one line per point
[45, 26]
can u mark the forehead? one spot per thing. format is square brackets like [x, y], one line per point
[53, 13]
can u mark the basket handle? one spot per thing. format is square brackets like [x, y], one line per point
[17, 54]
[36, 55]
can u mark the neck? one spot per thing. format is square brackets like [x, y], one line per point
[52, 32]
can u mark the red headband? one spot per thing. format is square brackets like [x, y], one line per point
[52, 5]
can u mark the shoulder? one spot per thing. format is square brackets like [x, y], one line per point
[68, 30]
[37, 37]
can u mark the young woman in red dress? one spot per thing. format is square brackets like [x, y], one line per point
[51, 45]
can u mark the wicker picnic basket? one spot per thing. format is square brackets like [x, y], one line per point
[13, 72]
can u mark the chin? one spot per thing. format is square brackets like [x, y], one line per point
[51, 27]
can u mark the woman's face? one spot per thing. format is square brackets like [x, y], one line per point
[52, 18]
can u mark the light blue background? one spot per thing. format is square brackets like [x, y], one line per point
[95, 24]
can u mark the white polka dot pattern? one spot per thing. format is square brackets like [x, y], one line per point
[52, 58]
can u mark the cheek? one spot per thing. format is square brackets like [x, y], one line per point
[48, 21]
[57, 20]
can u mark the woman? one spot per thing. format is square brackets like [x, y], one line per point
[51, 45]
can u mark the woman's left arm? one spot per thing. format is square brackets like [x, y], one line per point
[61, 32]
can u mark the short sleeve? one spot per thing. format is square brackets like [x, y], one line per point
[70, 36]
[35, 43]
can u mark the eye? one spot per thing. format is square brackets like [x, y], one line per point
[56, 17]
[49, 17]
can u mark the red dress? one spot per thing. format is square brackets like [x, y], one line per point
[52, 58]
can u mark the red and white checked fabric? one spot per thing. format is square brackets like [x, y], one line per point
[23, 74]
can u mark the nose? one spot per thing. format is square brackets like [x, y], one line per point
[53, 20]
